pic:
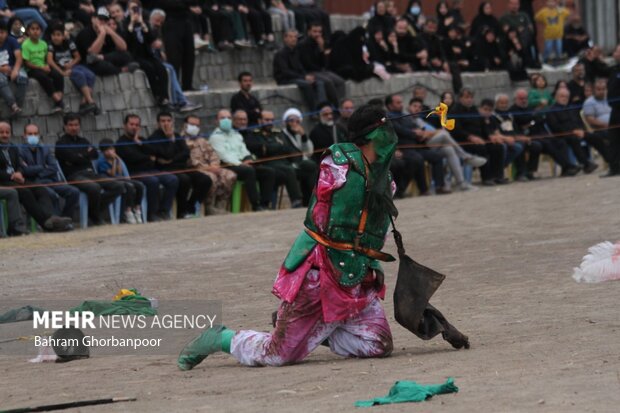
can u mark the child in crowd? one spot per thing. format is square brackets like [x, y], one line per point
[552, 17]
[34, 51]
[64, 58]
[539, 97]
[11, 71]
[109, 164]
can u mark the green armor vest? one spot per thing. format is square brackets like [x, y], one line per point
[345, 214]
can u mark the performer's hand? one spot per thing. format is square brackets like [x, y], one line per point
[379, 278]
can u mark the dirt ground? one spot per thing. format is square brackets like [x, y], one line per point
[540, 341]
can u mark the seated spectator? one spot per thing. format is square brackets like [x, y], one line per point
[562, 120]
[260, 23]
[40, 166]
[484, 18]
[488, 52]
[326, 132]
[410, 134]
[240, 123]
[577, 84]
[576, 38]
[37, 200]
[63, 58]
[433, 45]
[139, 37]
[15, 224]
[350, 59]
[473, 131]
[200, 28]
[411, 50]
[539, 97]
[17, 29]
[118, 15]
[457, 50]
[345, 111]
[228, 24]
[20, 10]
[552, 18]
[505, 120]
[456, 12]
[75, 155]
[414, 15]
[231, 149]
[381, 52]
[518, 57]
[515, 19]
[110, 164]
[295, 137]
[102, 49]
[266, 142]
[287, 17]
[447, 98]
[287, 69]
[444, 18]
[381, 21]
[594, 64]
[597, 112]
[313, 57]
[443, 142]
[11, 70]
[203, 157]
[244, 99]
[139, 157]
[308, 12]
[34, 52]
[84, 13]
[172, 154]
[420, 92]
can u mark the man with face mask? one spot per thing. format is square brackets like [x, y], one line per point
[326, 132]
[332, 271]
[203, 157]
[230, 147]
[40, 166]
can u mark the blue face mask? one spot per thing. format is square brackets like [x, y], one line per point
[32, 140]
[225, 125]
[415, 10]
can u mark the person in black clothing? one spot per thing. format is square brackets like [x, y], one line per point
[381, 51]
[102, 49]
[244, 100]
[457, 50]
[577, 84]
[594, 64]
[179, 38]
[221, 24]
[488, 53]
[518, 56]
[575, 38]
[37, 200]
[347, 58]
[75, 155]
[381, 20]
[408, 134]
[563, 120]
[139, 157]
[313, 56]
[433, 45]
[613, 97]
[307, 12]
[260, 23]
[326, 132]
[484, 18]
[172, 154]
[411, 49]
[287, 69]
[139, 37]
[472, 130]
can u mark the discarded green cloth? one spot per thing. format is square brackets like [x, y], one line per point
[410, 391]
[19, 314]
[121, 307]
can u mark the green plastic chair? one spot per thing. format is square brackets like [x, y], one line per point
[237, 194]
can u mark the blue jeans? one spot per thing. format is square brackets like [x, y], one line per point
[6, 92]
[29, 14]
[552, 46]
[82, 76]
[313, 93]
[175, 93]
[512, 152]
[170, 184]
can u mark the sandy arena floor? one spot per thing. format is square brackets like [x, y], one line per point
[540, 341]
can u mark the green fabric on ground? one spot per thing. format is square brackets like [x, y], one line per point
[121, 307]
[20, 314]
[410, 391]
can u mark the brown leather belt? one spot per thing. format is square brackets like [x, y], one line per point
[345, 246]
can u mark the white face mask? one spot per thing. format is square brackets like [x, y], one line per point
[192, 130]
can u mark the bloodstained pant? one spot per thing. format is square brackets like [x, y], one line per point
[300, 329]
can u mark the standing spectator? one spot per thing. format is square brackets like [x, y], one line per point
[75, 155]
[594, 64]
[326, 132]
[203, 157]
[40, 166]
[563, 120]
[287, 69]
[552, 17]
[613, 97]
[245, 100]
[139, 157]
[172, 154]
[305, 168]
[518, 57]
[11, 71]
[313, 56]
[597, 112]
[308, 12]
[231, 149]
[444, 18]
[37, 200]
[110, 164]
[16, 226]
[278, 8]
[34, 51]
[488, 52]
[179, 39]
[64, 58]
[517, 20]
[539, 96]
[414, 15]
[485, 18]
[576, 38]
[577, 84]
[102, 48]
[345, 111]
[473, 131]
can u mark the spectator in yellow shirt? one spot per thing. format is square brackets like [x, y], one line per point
[552, 17]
